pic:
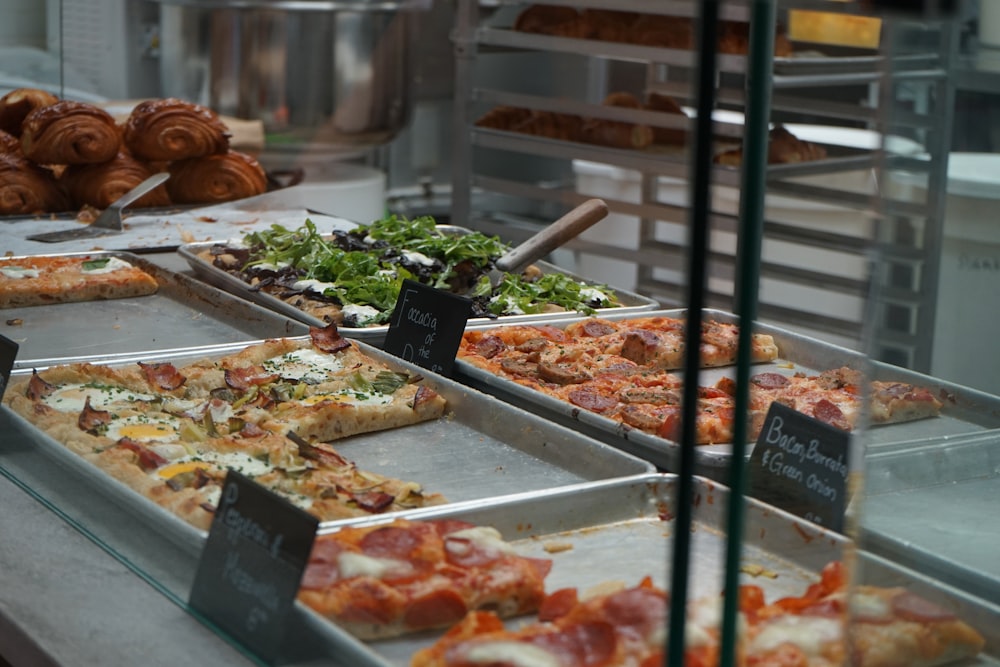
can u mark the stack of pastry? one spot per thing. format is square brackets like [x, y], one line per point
[74, 155]
[603, 132]
[783, 148]
[672, 32]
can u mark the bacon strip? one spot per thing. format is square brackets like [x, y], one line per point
[424, 394]
[162, 375]
[39, 388]
[90, 418]
[148, 459]
[373, 501]
[241, 379]
[328, 339]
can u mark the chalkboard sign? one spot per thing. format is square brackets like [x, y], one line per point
[800, 465]
[8, 353]
[252, 564]
[427, 326]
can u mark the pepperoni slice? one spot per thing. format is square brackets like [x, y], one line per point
[582, 644]
[319, 575]
[328, 339]
[912, 607]
[390, 542]
[597, 328]
[325, 550]
[589, 399]
[557, 604]
[770, 380]
[448, 526]
[39, 388]
[827, 411]
[643, 609]
[438, 608]
[711, 392]
[670, 427]
[640, 346]
[162, 375]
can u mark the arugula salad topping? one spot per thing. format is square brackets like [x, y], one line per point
[364, 268]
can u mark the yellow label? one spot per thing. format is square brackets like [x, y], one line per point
[830, 28]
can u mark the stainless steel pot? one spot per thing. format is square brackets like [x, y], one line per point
[331, 76]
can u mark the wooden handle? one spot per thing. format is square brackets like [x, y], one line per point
[555, 235]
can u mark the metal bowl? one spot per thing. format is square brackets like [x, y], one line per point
[332, 76]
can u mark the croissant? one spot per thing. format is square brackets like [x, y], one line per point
[504, 118]
[666, 135]
[552, 20]
[17, 104]
[9, 143]
[609, 25]
[69, 132]
[170, 129]
[216, 178]
[27, 188]
[783, 148]
[99, 185]
[615, 133]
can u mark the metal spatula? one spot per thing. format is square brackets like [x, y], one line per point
[555, 235]
[110, 219]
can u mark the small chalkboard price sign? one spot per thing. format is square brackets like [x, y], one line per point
[8, 353]
[427, 326]
[252, 564]
[800, 465]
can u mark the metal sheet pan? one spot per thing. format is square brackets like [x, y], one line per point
[183, 313]
[965, 410]
[621, 530]
[630, 301]
[816, 63]
[483, 448]
[934, 508]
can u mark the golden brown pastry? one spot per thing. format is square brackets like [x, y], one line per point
[171, 129]
[615, 133]
[26, 188]
[553, 20]
[609, 25]
[99, 185]
[216, 178]
[783, 148]
[9, 143]
[69, 132]
[668, 32]
[666, 135]
[17, 104]
[504, 118]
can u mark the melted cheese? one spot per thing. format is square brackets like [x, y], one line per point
[515, 654]
[809, 633]
[351, 564]
[361, 314]
[113, 264]
[870, 606]
[19, 272]
[72, 397]
[485, 538]
[306, 365]
[238, 461]
[418, 258]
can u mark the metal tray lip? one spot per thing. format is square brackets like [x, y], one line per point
[161, 274]
[706, 456]
[239, 288]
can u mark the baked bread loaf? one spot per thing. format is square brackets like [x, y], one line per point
[69, 132]
[666, 135]
[216, 178]
[99, 185]
[26, 188]
[17, 104]
[617, 134]
[169, 129]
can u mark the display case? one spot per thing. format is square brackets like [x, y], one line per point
[873, 249]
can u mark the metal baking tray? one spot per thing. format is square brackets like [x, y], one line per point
[815, 63]
[184, 312]
[934, 508]
[622, 530]
[630, 301]
[482, 448]
[965, 410]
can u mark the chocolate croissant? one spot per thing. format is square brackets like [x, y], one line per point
[9, 143]
[171, 129]
[69, 132]
[26, 188]
[17, 104]
[216, 178]
[99, 185]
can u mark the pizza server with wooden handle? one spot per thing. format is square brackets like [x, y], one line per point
[554, 236]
